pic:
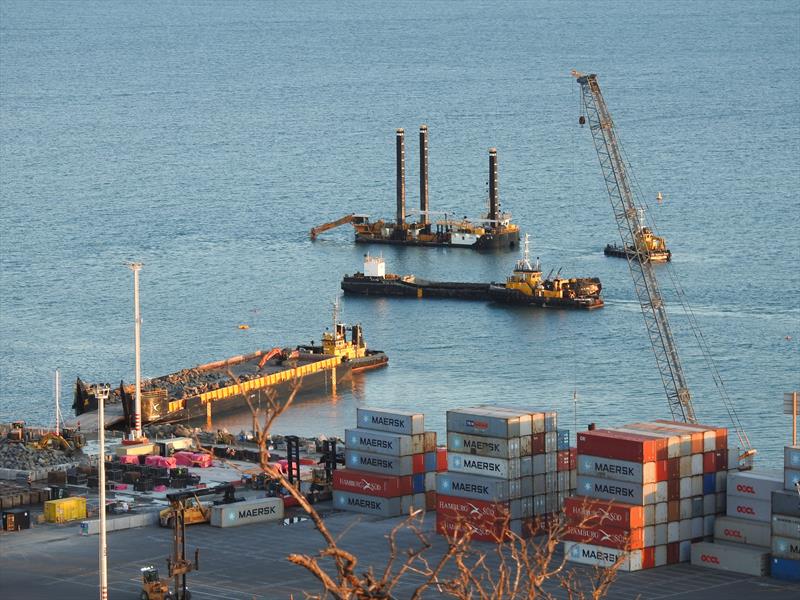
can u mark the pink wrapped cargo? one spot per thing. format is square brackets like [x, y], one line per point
[161, 461]
[129, 460]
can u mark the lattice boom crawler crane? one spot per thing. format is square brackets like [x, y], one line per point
[631, 230]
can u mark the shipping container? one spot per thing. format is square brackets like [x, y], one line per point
[592, 512]
[551, 442]
[738, 558]
[501, 468]
[373, 505]
[372, 484]
[16, 519]
[406, 423]
[791, 478]
[673, 440]
[742, 531]
[487, 446]
[459, 527]
[786, 526]
[745, 508]
[786, 503]
[709, 483]
[714, 438]
[599, 556]
[785, 569]
[65, 509]
[608, 537]
[488, 422]
[791, 457]
[260, 510]
[756, 485]
[429, 441]
[484, 513]
[537, 443]
[620, 491]
[621, 446]
[483, 488]
[381, 463]
[379, 442]
[784, 547]
[562, 442]
[620, 470]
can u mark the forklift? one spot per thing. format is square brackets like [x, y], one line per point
[155, 588]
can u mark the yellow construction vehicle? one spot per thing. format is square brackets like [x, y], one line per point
[54, 440]
[356, 220]
[195, 511]
[153, 587]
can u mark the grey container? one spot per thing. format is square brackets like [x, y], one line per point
[483, 488]
[370, 505]
[379, 442]
[621, 491]
[786, 526]
[392, 421]
[737, 558]
[786, 503]
[378, 463]
[745, 508]
[551, 442]
[487, 446]
[502, 468]
[742, 531]
[791, 477]
[488, 422]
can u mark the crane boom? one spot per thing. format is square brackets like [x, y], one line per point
[630, 227]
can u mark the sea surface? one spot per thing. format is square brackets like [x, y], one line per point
[206, 138]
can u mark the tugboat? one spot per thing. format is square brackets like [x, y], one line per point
[220, 386]
[656, 247]
[526, 286]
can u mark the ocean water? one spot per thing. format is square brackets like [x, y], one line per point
[205, 139]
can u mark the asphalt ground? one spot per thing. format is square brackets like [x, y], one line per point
[249, 562]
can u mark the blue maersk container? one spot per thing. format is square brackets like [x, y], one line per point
[786, 569]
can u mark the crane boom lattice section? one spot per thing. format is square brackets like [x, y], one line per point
[630, 227]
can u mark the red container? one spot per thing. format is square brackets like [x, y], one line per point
[674, 468]
[537, 443]
[673, 553]
[674, 510]
[372, 484]
[458, 527]
[662, 470]
[598, 513]
[631, 539]
[418, 463]
[476, 512]
[709, 462]
[622, 446]
[441, 459]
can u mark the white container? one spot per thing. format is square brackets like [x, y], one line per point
[489, 422]
[392, 421]
[685, 463]
[737, 558]
[598, 556]
[248, 512]
[742, 531]
[621, 470]
[673, 531]
[686, 508]
[483, 488]
[660, 556]
[662, 513]
[697, 466]
[686, 487]
[709, 504]
[752, 510]
[756, 485]
[374, 505]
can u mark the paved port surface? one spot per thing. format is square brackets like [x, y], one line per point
[249, 562]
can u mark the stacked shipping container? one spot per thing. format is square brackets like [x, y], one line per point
[742, 538]
[390, 465]
[506, 468]
[647, 491]
[785, 525]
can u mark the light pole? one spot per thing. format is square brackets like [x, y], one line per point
[136, 433]
[103, 391]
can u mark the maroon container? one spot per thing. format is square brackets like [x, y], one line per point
[622, 446]
[709, 462]
[673, 553]
[372, 484]
[674, 468]
[673, 489]
[722, 460]
[537, 443]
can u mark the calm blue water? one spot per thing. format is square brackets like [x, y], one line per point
[205, 139]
